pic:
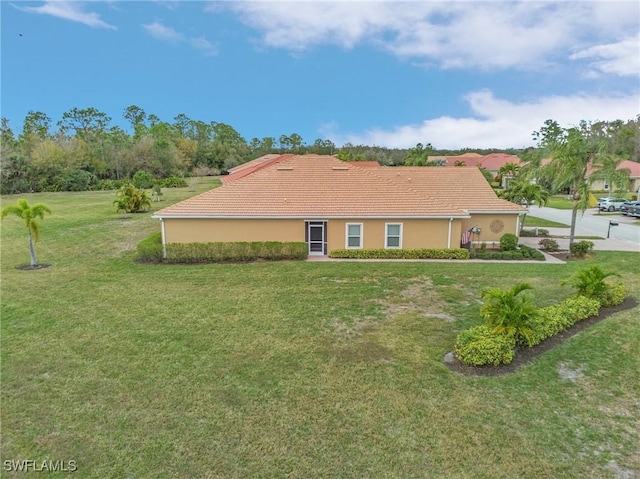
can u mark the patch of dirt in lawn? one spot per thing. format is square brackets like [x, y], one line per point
[418, 297]
[526, 355]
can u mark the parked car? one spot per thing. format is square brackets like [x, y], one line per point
[635, 210]
[626, 206]
[611, 204]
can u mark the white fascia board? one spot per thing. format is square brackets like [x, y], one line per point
[306, 217]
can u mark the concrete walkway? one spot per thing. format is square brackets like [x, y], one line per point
[561, 235]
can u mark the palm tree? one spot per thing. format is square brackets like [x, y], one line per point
[590, 282]
[522, 191]
[29, 215]
[508, 313]
[574, 157]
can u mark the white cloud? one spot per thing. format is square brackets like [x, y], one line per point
[162, 32]
[159, 31]
[453, 34]
[620, 58]
[72, 11]
[498, 123]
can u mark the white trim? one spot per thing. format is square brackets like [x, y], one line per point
[346, 235]
[306, 217]
[489, 212]
[449, 233]
[164, 241]
[386, 236]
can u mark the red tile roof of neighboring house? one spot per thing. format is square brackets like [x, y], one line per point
[632, 166]
[316, 186]
[492, 161]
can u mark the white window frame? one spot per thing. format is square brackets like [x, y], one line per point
[347, 236]
[386, 236]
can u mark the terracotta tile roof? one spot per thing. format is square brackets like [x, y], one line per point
[317, 186]
[252, 166]
[462, 187]
[367, 164]
[632, 166]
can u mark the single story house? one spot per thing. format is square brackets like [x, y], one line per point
[634, 178]
[331, 204]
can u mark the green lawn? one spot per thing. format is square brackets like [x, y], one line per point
[560, 202]
[532, 222]
[294, 369]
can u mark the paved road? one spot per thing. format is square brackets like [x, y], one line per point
[625, 236]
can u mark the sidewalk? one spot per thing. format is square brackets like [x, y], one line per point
[561, 235]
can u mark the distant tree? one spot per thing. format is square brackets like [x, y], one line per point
[29, 214]
[419, 155]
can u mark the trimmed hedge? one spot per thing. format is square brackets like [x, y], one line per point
[480, 346]
[559, 317]
[150, 250]
[525, 252]
[422, 253]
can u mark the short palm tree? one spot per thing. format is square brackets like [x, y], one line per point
[508, 313]
[590, 282]
[29, 215]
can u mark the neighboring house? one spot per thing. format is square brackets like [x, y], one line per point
[491, 162]
[634, 178]
[331, 204]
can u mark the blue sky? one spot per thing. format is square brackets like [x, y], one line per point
[454, 74]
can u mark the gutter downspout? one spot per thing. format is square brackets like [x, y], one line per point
[449, 234]
[164, 244]
[517, 232]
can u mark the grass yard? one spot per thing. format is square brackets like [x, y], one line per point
[293, 369]
[532, 222]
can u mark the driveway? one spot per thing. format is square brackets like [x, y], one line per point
[623, 237]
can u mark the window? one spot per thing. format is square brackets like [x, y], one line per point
[393, 235]
[354, 235]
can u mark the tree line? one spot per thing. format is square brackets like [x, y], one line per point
[84, 150]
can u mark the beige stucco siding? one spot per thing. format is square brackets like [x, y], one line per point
[485, 222]
[416, 233]
[224, 230]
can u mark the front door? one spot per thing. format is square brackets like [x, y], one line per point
[316, 237]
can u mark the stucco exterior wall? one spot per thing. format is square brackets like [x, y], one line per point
[416, 233]
[491, 228]
[223, 230]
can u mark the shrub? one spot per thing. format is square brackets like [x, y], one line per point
[74, 180]
[581, 248]
[507, 312]
[424, 253]
[150, 249]
[480, 346]
[559, 317]
[173, 182]
[508, 242]
[590, 282]
[142, 179]
[109, 184]
[549, 244]
[534, 232]
[616, 294]
[132, 200]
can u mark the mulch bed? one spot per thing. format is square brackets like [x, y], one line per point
[525, 355]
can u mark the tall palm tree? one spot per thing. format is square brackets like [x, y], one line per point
[29, 215]
[576, 163]
[507, 312]
[522, 191]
